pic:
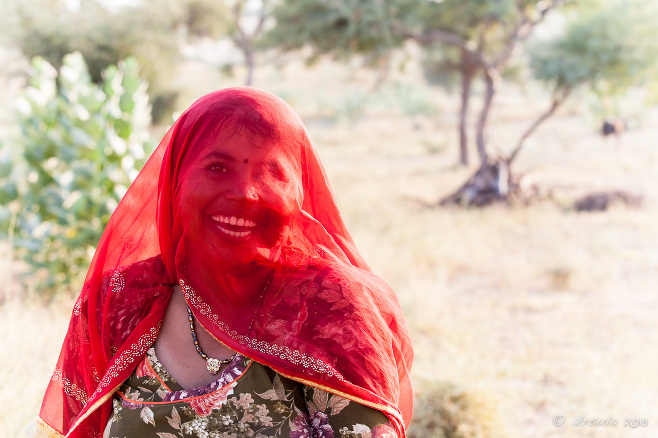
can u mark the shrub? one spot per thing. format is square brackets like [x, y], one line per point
[81, 146]
[443, 410]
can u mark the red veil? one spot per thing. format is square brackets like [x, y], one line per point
[324, 319]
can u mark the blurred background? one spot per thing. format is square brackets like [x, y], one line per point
[495, 160]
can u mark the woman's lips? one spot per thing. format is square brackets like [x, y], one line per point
[240, 226]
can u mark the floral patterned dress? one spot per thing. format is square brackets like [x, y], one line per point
[247, 400]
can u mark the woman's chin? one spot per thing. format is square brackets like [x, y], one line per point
[218, 248]
[231, 251]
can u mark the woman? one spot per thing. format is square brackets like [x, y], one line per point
[226, 297]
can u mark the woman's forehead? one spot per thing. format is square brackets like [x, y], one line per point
[242, 127]
[238, 142]
[249, 148]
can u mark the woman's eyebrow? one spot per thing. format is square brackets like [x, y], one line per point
[220, 155]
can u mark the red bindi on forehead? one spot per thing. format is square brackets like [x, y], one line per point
[246, 161]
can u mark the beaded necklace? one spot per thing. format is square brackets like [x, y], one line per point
[212, 363]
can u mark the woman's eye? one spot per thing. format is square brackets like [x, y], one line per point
[278, 172]
[216, 167]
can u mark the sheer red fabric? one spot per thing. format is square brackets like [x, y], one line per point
[235, 189]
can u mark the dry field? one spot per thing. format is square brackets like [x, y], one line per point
[538, 311]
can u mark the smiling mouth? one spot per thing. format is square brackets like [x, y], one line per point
[234, 226]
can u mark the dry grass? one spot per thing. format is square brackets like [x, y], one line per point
[537, 311]
[31, 339]
[547, 310]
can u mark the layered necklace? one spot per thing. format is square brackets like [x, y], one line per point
[212, 363]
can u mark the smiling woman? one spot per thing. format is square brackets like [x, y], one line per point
[242, 197]
[226, 297]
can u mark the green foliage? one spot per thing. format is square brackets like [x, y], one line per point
[339, 28]
[48, 29]
[610, 48]
[150, 31]
[442, 66]
[485, 26]
[466, 19]
[203, 18]
[81, 146]
[443, 410]
[344, 28]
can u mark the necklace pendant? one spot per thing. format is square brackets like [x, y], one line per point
[213, 365]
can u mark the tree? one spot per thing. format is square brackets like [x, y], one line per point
[607, 48]
[456, 37]
[487, 42]
[242, 21]
[339, 29]
[477, 24]
[245, 36]
[478, 36]
[479, 39]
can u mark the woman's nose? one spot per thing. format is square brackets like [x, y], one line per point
[243, 190]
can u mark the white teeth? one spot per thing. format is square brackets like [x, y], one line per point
[232, 220]
[235, 233]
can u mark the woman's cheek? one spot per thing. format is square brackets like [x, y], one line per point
[288, 201]
[190, 200]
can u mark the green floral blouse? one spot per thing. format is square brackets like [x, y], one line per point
[247, 400]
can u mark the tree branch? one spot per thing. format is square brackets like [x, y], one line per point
[262, 16]
[241, 38]
[557, 101]
[442, 36]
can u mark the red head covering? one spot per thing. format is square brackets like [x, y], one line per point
[234, 189]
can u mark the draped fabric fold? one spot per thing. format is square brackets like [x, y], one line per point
[322, 318]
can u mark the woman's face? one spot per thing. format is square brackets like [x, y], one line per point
[236, 196]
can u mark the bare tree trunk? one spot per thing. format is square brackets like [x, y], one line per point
[491, 81]
[494, 181]
[244, 40]
[468, 73]
[490, 183]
